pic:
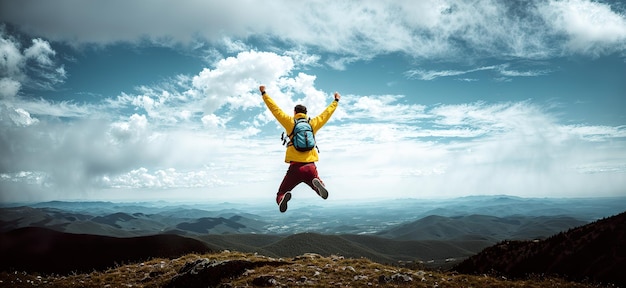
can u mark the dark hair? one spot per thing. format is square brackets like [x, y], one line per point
[300, 109]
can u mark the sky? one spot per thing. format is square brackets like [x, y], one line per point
[158, 100]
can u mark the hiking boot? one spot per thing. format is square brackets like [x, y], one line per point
[320, 189]
[282, 201]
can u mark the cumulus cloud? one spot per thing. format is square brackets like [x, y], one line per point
[170, 178]
[16, 71]
[131, 130]
[211, 130]
[232, 78]
[23, 118]
[213, 121]
[230, 86]
[480, 148]
[99, 147]
[40, 51]
[9, 88]
[588, 26]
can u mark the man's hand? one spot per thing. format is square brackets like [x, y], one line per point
[337, 96]
[262, 89]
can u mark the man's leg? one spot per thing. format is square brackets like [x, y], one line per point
[290, 181]
[312, 179]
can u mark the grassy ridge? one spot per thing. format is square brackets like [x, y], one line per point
[376, 248]
[307, 270]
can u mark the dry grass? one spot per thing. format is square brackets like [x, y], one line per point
[308, 270]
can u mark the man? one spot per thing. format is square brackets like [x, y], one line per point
[301, 163]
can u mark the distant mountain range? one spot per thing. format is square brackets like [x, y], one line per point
[592, 252]
[436, 233]
[480, 227]
[528, 217]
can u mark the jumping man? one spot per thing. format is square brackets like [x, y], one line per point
[301, 163]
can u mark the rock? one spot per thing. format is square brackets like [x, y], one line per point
[401, 278]
[382, 279]
[308, 256]
[395, 278]
[265, 281]
[209, 273]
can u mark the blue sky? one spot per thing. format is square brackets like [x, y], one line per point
[158, 100]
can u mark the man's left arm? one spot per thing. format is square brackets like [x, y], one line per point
[321, 119]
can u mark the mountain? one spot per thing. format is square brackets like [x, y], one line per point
[206, 225]
[431, 253]
[127, 223]
[326, 245]
[596, 252]
[402, 220]
[35, 249]
[480, 227]
[241, 242]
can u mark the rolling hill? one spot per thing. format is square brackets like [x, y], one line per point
[596, 252]
[480, 227]
[588, 252]
[35, 249]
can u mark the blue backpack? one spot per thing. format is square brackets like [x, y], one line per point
[301, 137]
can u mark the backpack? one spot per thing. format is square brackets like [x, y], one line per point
[301, 137]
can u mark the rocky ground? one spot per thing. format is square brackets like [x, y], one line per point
[234, 269]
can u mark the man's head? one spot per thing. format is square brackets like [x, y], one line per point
[299, 109]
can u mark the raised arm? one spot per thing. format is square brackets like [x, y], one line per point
[321, 119]
[283, 118]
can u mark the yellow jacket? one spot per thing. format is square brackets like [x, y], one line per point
[287, 121]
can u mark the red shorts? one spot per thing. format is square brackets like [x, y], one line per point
[296, 174]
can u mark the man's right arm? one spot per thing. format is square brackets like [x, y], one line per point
[280, 115]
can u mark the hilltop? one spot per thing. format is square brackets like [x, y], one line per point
[236, 269]
[42, 250]
[596, 252]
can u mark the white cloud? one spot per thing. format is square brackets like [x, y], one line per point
[349, 29]
[517, 148]
[430, 75]
[9, 88]
[12, 60]
[227, 91]
[512, 148]
[44, 107]
[590, 27]
[132, 130]
[23, 118]
[234, 46]
[213, 121]
[233, 77]
[40, 51]
[15, 71]
[164, 179]
[502, 70]
[302, 59]
[596, 133]
[211, 130]
[383, 108]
